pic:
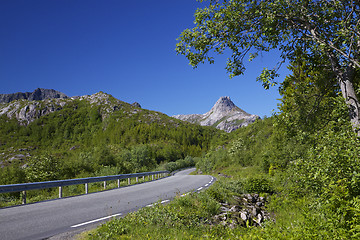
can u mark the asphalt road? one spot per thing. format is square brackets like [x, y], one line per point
[50, 218]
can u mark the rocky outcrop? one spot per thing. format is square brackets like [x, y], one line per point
[249, 210]
[38, 94]
[136, 104]
[43, 101]
[28, 106]
[224, 115]
[26, 110]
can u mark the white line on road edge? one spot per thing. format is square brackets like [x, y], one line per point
[185, 194]
[96, 220]
[151, 205]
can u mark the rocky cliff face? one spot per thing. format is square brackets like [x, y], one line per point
[38, 94]
[224, 115]
[26, 107]
[26, 111]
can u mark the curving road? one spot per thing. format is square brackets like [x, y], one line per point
[75, 214]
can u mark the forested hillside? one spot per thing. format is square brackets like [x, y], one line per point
[93, 134]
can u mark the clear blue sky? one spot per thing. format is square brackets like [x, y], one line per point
[124, 48]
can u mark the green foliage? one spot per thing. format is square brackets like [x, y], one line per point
[140, 159]
[12, 174]
[207, 163]
[44, 168]
[309, 99]
[223, 189]
[181, 163]
[258, 185]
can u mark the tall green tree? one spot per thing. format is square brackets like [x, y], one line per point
[325, 30]
[309, 97]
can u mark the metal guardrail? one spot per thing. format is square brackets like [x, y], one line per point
[23, 187]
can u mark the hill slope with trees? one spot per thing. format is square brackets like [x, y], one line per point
[82, 136]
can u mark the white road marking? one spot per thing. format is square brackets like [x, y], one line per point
[95, 220]
[151, 205]
[185, 194]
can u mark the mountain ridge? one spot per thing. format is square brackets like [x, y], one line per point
[27, 107]
[98, 123]
[37, 94]
[224, 115]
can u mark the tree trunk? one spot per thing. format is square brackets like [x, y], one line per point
[347, 89]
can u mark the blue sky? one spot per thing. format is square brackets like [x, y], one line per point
[124, 48]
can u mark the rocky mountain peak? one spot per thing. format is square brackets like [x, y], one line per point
[224, 115]
[223, 106]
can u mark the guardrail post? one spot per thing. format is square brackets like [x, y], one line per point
[104, 185]
[129, 181]
[152, 176]
[86, 188]
[23, 197]
[118, 183]
[60, 192]
[144, 178]
[137, 179]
